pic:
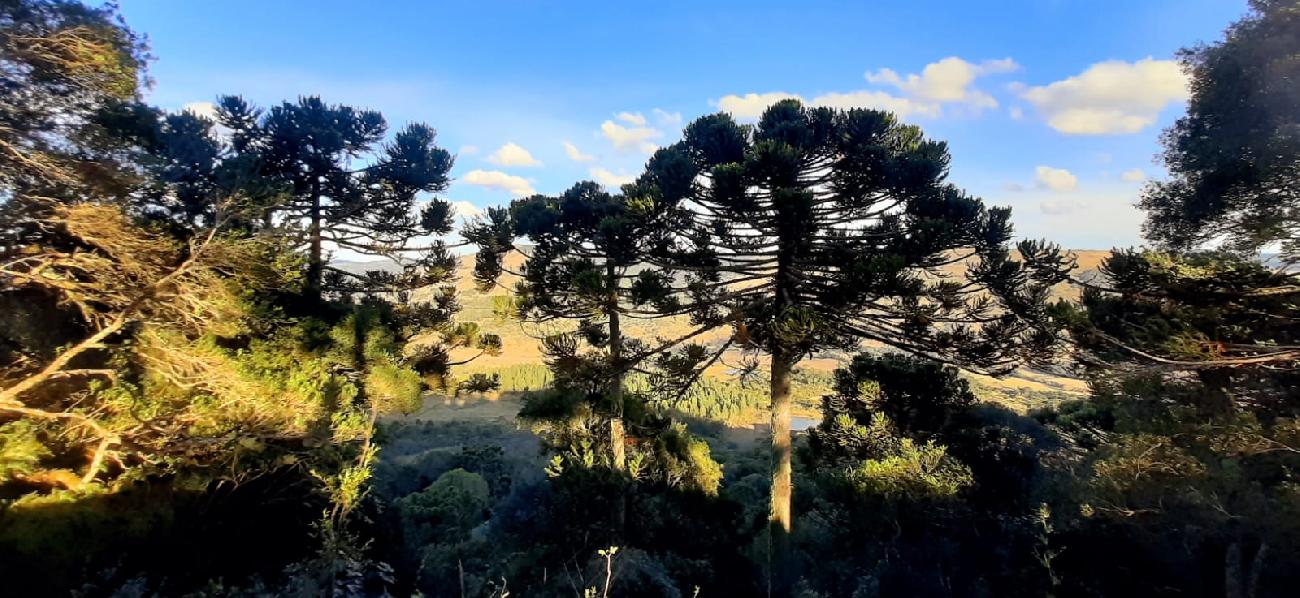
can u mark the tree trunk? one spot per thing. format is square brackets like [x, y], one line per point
[781, 445]
[618, 439]
[1232, 572]
[782, 484]
[315, 264]
[617, 434]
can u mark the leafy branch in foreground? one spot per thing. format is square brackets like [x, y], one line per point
[126, 287]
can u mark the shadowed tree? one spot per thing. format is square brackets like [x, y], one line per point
[587, 263]
[60, 62]
[1235, 166]
[188, 167]
[312, 150]
[1221, 317]
[184, 168]
[919, 397]
[1193, 362]
[825, 228]
[1234, 159]
[1229, 323]
[268, 161]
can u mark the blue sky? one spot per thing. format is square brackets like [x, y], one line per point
[1053, 107]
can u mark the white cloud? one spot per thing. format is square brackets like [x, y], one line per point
[1113, 97]
[751, 105]
[512, 154]
[465, 210]
[632, 118]
[495, 179]
[1133, 176]
[947, 81]
[609, 179]
[995, 67]
[1014, 187]
[576, 154]
[207, 110]
[466, 150]
[629, 139]
[1016, 112]
[667, 119]
[1056, 179]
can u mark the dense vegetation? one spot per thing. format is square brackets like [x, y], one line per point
[195, 401]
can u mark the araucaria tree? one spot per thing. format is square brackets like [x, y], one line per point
[311, 148]
[824, 228]
[587, 264]
[1234, 158]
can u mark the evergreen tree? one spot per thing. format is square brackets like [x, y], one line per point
[1235, 157]
[589, 262]
[824, 228]
[310, 148]
[1192, 353]
[1235, 161]
[188, 170]
[919, 397]
[1192, 359]
[184, 168]
[1229, 321]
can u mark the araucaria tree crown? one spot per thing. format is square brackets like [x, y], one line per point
[827, 228]
[837, 226]
[312, 149]
[588, 262]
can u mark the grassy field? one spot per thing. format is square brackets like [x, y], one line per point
[723, 399]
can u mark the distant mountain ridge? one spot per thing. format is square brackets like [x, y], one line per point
[358, 267]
